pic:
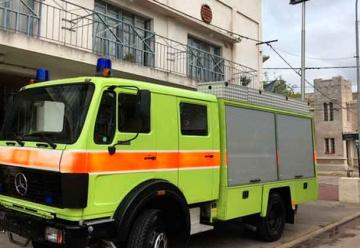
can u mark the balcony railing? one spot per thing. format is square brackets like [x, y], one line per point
[75, 26]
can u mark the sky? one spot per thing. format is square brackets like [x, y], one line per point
[330, 38]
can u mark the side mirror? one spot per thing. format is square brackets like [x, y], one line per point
[142, 109]
[143, 104]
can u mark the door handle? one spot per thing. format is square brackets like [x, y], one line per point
[299, 176]
[209, 156]
[258, 180]
[150, 158]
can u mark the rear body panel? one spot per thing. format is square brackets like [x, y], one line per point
[238, 199]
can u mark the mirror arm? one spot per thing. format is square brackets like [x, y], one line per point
[112, 149]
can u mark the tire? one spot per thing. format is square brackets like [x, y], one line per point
[271, 227]
[38, 245]
[149, 231]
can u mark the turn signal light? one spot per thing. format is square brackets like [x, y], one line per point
[54, 235]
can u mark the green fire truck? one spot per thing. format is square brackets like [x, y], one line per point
[124, 163]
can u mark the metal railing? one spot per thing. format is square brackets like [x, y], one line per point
[74, 26]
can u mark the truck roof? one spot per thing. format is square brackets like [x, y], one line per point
[104, 81]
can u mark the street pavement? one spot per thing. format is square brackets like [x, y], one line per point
[311, 217]
[346, 236]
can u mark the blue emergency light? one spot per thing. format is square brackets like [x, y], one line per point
[42, 75]
[103, 67]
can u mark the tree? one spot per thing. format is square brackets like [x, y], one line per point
[280, 86]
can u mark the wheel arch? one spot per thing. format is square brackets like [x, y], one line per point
[286, 194]
[157, 194]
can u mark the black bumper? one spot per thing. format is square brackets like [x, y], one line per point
[32, 227]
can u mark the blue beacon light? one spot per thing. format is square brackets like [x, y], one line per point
[103, 67]
[42, 75]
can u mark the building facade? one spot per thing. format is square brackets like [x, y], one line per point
[176, 42]
[335, 114]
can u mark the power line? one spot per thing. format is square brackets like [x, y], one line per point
[313, 68]
[299, 74]
[315, 58]
[247, 38]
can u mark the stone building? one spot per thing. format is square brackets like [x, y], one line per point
[334, 108]
[172, 42]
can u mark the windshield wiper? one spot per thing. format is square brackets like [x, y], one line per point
[18, 139]
[44, 139]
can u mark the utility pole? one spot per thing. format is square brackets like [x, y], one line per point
[357, 74]
[303, 36]
[303, 40]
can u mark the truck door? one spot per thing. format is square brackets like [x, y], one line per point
[137, 128]
[196, 150]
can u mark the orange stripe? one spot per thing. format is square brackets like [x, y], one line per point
[41, 159]
[95, 162]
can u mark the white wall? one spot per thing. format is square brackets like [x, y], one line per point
[238, 16]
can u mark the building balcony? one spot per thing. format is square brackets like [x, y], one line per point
[58, 32]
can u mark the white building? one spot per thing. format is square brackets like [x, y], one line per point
[160, 41]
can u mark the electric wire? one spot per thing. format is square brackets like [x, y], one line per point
[313, 68]
[314, 58]
[299, 74]
[257, 41]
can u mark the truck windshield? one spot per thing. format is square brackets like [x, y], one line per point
[48, 114]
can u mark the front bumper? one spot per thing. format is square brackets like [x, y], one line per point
[33, 228]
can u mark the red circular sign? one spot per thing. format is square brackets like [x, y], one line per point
[206, 13]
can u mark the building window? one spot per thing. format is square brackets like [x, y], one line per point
[348, 112]
[204, 61]
[20, 15]
[329, 146]
[123, 35]
[193, 118]
[328, 111]
[331, 111]
[131, 120]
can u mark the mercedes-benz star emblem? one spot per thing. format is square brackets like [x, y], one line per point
[21, 184]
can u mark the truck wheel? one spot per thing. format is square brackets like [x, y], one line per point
[149, 231]
[272, 226]
[38, 245]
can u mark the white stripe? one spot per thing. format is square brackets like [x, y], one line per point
[201, 168]
[130, 171]
[153, 170]
[138, 151]
[101, 151]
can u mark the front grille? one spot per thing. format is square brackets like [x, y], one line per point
[43, 186]
[46, 187]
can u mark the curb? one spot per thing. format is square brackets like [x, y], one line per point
[314, 234]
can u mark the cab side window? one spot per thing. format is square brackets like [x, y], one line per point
[133, 118]
[193, 119]
[105, 120]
